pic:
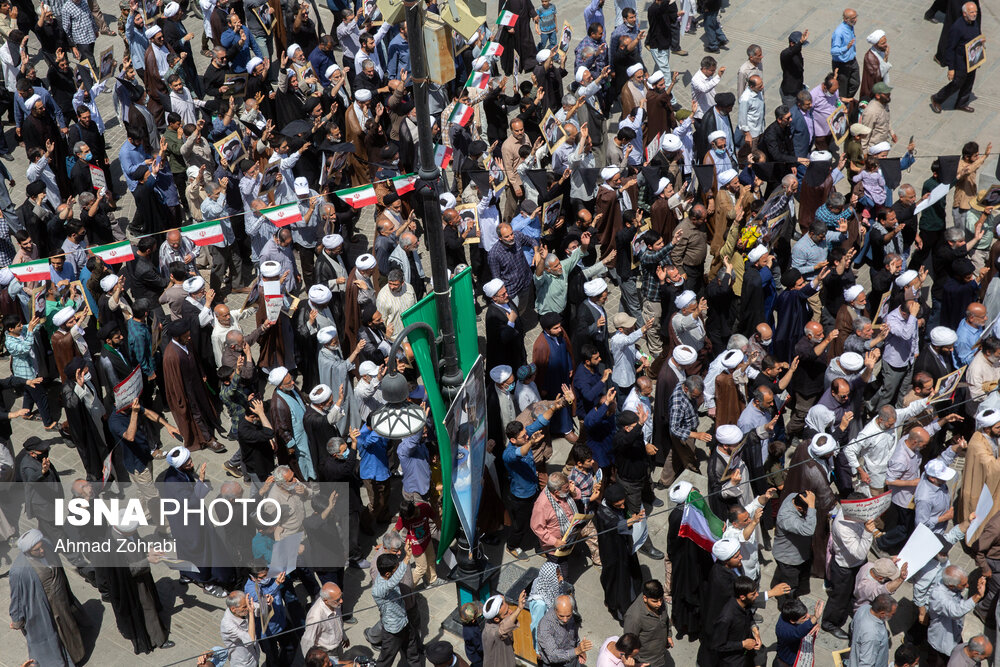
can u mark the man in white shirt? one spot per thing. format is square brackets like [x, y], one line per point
[850, 541]
[325, 623]
[751, 119]
[703, 85]
[869, 452]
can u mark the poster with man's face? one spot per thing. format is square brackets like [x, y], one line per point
[230, 147]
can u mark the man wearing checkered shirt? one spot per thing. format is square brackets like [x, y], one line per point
[79, 24]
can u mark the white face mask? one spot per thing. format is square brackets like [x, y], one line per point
[86, 378]
[765, 342]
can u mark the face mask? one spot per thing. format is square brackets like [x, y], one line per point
[510, 388]
[719, 151]
[86, 378]
[766, 342]
[346, 454]
[88, 157]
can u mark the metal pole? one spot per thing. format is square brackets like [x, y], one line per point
[428, 176]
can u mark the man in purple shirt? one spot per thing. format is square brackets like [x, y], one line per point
[898, 354]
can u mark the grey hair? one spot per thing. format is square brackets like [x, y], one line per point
[333, 445]
[694, 383]
[324, 592]
[556, 480]
[803, 96]
[952, 576]
[279, 473]
[954, 234]
[979, 644]
[753, 50]
[737, 342]
[86, 199]
[211, 188]
[392, 541]
[903, 189]
[78, 146]
[235, 600]
[788, 180]
[837, 200]
[886, 412]
[367, 63]
[551, 259]
[234, 336]
[327, 206]
[395, 275]
[861, 322]
[569, 100]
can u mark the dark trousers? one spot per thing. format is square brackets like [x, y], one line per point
[930, 240]
[796, 576]
[35, 396]
[992, 588]
[223, 258]
[962, 84]
[637, 493]
[87, 53]
[899, 525]
[308, 258]
[935, 659]
[838, 604]
[520, 518]
[405, 643]
[848, 76]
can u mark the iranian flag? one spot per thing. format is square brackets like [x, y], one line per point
[460, 114]
[478, 80]
[405, 183]
[283, 215]
[699, 524]
[491, 49]
[359, 197]
[115, 253]
[442, 156]
[29, 272]
[507, 19]
[204, 233]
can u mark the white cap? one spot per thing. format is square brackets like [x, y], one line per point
[942, 336]
[728, 434]
[326, 335]
[726, 177]
[580, 71]
[680, 491]
[634, 69]
[501, 373]
[684, 299]
[654, 77]
[270, 269]
[492, 287]
[595, 287]
[320, 295]
[662, 185]
[822, 444]
[906, 277]
[178, 456]
[252, 63]
[6, 276]
[543, 55]
[447, 200]
[365, 261]
[821, 156]
[320, 394]
[193, 284]
[725, 548]
[277, 375]
[684, 355]
[609, 172]
[492, 607]
[938, 470]
[363, 95]
[192, 171]
[331, 241]
[670, 143]
[715, 136]
[880, 147]
[30, 102]
[478, 62]
[852, 362]
[874, 37]
[758, 251]
[29, 539]
[732, 358]
[125, 523]
[368, 368]
[171, 9]
[986, 418]
[108, 282]
[62, 317]
[331, 70]
[852, 293]
[151, 32]
[301, 186]
[292, 48]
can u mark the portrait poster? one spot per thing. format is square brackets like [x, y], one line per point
[517, 65]
[304, 71]
[566, 37]
[470, 220]
[107, 63]
[947, 384]
[466, 426]
[497, 174]
[551, 210]
[552, 131]
[773, 226]
[866, 509]
[883, 308]
[230, 147]
[264, 16]
[235, 83]
[269, 177]
[838, 124]
[975, 53]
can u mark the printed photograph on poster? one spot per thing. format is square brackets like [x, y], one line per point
[230, 147]
[470, 219]
[975, 53]
[497, 174]
[304, 71]
[235, 84]
[551, 210]
[947, 384]
[774, 225]
[107, 63]
[838, 124]
[566, 37]
[465, 423]
[883, 308]
[552, 131]
[264, 16]
[269, 177]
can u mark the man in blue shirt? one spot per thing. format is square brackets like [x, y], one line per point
[844, 55]
[281, 647]
[520, 463]
[398, 54]
[131, 156]
[322, 57]
[969, 330]
[373, 450]
[239, 44]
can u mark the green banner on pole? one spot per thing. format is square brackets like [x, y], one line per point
[463, 311]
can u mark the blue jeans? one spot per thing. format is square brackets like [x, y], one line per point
[35, 396]
[713, 31]
[548, 40]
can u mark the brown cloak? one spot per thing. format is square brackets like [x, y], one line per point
[845, 325]
[611, 220]
[728, 402]
[981, 467]
[662, 219]
[272, 343]
[352, 308]
[156, 87]
[805, 474]
[64, 350]
[659, 114]
[188, 400]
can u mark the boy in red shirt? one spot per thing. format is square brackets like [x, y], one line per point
[417, 518]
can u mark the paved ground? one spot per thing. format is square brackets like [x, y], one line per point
[194, 616]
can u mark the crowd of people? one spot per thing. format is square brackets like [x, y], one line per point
[795, 321]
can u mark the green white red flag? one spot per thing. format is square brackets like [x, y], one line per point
[204, 233]
[461, 114]
[442, 156]
[405, 183]
[507, 19]
[29, 272]
[699, 524]
[491, 49]
[284, 214]
[115, 253]
[478, 80]
[359, 197]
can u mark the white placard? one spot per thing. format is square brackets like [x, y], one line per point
[937, 194]
[285, 554]
[273, 299]
[918, 550]
[128, 389]
[866, 509]
[983, 509]
[97, 177]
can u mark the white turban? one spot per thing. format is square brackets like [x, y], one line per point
[758, 251]
[662, 185]
[277, 375]
[875, 37]
[492, 607]
[580, 71]
[178, 456]
[331, 241]
[368, 368]
[542, 56]
[881, 147]
[684, 299]
[320, 295]
[290, 51]
[732, 359]
[192, 172]
[715, 136]
[478, 62]
[726, 177]
[492, 287]
[852, 293]
[108, 282]
[62, 317]
[193, 284]
[30, 102]
[595, 287]
[363, 95]
[986, 418]
[365, 262]
[270, 269]
[151, 32]
[654, 77]
[684, 355]
[634, 69]
[29, 539]
[671, 143]
[906, 277]
[330, 71]
[171, 9]
[821, 156]
[680, 491]
[501, 373]
[822, 445]
[447, 200]
[942, 336]
[852, 362]
[725, 548]
[609, 172]
[6, 276]
[320, 394]
[326, 335]
[728, 434]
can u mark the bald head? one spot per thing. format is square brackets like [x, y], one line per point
[408, 240]
[756, 83]
[975, 315]
[385, 227]
[234, 339]
[815, 331]
[82, 489]
[645, 385]
[223, 315]
[918, 438]
[450, 216]
[564, 609]
[231, 490]
[970, 11]
[850, 15]
[517, 125]
[764, 331]
[173, 237]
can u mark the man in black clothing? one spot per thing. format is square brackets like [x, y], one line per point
[143, 276]
[215, 74]
[735, 639]
[86, 130]
[255, 437]
[776, 142]
[963, 31]
[454, 238]
[792, 68]
[632, 467]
